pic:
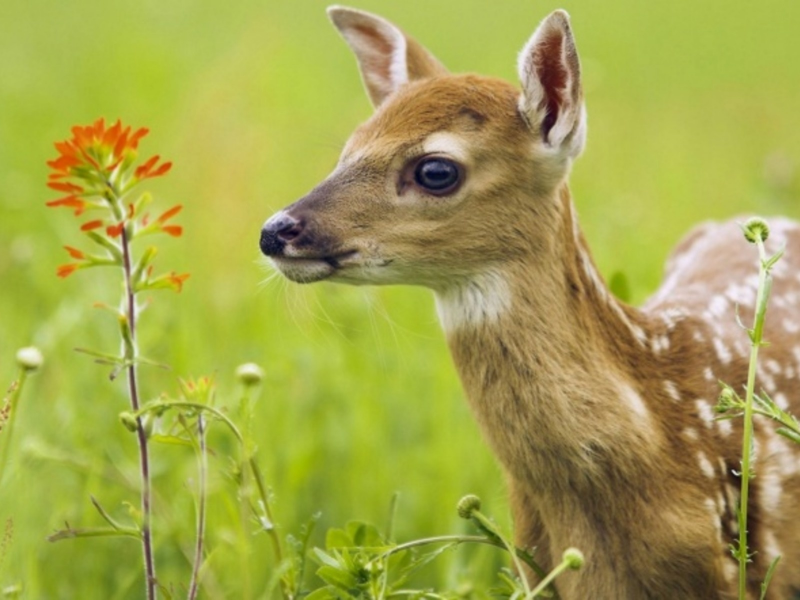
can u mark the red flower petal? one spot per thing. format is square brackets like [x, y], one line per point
[67, 270]
[115, 230]
[170, 213]
[143, 171]
[162, 170]
[63, 186]
[111, 134]
[173, 230]
[63, 163]
[92, 225]
[122, 142]
[75, 253]
[66, 149]
[139, 134]
[70, 202]
[177, 280]
[98, 128]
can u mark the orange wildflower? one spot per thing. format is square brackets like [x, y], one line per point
[173, 230]
[115, 230]
[75, 253]
[71, 202]
[67, 270]
[92, 225]
[170, 213]
[103, 150]
[177, 280]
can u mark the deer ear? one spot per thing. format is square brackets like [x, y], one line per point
[387, 57]
[552, 98]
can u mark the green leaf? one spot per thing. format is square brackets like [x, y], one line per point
[364, 534]
[770, 262]
[768, 577]
[338, 538]
[171, 440]
[337, 577]
[789, 434]
[326, 559]
[323, 593]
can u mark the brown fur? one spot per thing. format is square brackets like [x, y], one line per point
[598, 411]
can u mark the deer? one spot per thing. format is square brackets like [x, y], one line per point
[600, 413]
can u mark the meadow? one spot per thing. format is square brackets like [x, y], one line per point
[694, 114]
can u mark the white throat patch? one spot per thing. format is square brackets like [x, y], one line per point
[481, 300]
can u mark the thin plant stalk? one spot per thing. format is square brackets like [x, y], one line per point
[764, 281]
[13, 403]
[201, 507]
[249, 462]
[131, 352]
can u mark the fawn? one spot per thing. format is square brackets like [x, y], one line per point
[600, 413]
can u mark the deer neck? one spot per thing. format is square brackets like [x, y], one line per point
[544, 352]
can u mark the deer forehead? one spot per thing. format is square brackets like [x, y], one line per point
[455, 114]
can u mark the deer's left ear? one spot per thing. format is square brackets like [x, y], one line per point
[386, 56]
[552, 98]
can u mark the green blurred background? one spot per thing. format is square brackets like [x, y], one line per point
[694, 114]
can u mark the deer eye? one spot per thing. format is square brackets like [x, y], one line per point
[438, 176]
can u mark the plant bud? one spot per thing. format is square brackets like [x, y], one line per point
[129, 421]
[29, 358]
[756, 229]
[249, 374]
[468, 505]
[573, 558]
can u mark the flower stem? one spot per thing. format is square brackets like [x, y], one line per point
[560, 568]
[201, 507]
[747, 436]
[13, 404]
[129, 341]
[248, 462]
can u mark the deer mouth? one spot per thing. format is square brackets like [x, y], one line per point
[308, 269]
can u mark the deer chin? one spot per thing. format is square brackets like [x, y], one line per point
[312, 269]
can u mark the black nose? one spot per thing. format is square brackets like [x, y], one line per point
[278, 231]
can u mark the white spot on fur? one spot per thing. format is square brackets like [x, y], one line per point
[723, 353]
[691, 433]
[698, 336]
[724, 426]
[770, 546]
[770, 490]
[741, 294]
[660, 343]
[773, 366]
[730, 570]
[482, 299]
[791, 326]
[781, 400]
[704, 412]
[711, 507]
[718, 306]
[765, 380]
[672, 390]
[709, 375]
[781, 455]
[634, 401]
[705, 466]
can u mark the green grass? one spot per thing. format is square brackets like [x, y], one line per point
[689, 105]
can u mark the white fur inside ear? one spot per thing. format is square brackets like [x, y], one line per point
[551, 100]
[379, 46]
